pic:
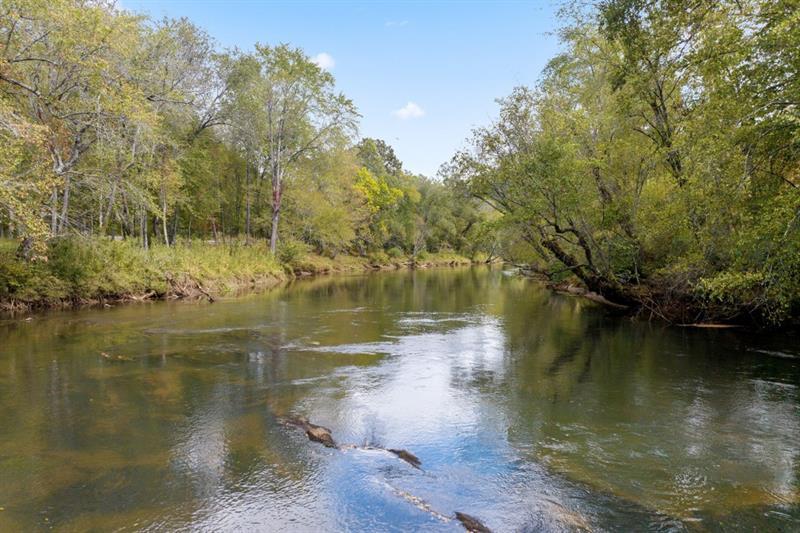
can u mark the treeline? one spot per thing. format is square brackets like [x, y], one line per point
[116, 125]
[658, 160]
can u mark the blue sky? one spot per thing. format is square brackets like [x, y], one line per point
[422, 74]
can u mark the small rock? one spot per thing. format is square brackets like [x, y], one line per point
[314, 432]
[321, 435]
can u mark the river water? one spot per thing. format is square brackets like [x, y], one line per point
[529, 411]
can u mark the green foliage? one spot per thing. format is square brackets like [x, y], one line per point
[379, 158]
[661, 148]
[394, 253]
[28, 282]
[732, 287]
[321, 207]
[290, 252]
[378, 194]
[82, 269]
[379, 258]
[114, 124]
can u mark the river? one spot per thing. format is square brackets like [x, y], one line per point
[530, 411]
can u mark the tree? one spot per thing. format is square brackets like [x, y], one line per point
[63, 71]
[25, 178]
[656, 161]
[300, 113]
[378, 157]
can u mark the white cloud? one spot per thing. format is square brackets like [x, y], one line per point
[410, 110]
[324, 61]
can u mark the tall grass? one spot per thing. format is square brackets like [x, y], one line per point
[83, 269]
[79, 269]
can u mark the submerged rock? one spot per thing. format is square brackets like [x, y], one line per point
[566, 516]
[115, 358]
[406, 456]
[419, 503]
[314, 432]
[472, 524]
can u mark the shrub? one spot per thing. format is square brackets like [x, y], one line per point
[379, 258]
[292, 251]
[395, 252]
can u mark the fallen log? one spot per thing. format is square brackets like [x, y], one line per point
[403, 455]
[589, 295]
[710, 325]
[406, 456]
[472, 524]
[323, 435]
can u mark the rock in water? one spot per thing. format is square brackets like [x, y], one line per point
[320, 434]
[313, 432]
[407, 456]
[115, 358]
[472, 524]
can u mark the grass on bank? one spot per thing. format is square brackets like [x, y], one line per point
[82, 270]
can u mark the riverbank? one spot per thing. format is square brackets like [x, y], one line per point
[676, 304]
[96, 271]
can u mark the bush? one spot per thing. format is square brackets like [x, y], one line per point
[379, 258]
[291, 251]
[395, 252]
[28, 282]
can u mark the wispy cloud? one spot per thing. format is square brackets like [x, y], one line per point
[395, 23]
[324, 61]
[410, 110]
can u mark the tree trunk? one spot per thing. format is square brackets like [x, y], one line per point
[598, 283]
[164, 214]
[174, 236]
[143, 227]
[64, 206]
[54, 211]
[273, 239]
[276, 210]
[164, 229]
[247, 203]
[105, 219]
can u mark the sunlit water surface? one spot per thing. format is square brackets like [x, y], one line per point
[529, 410]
